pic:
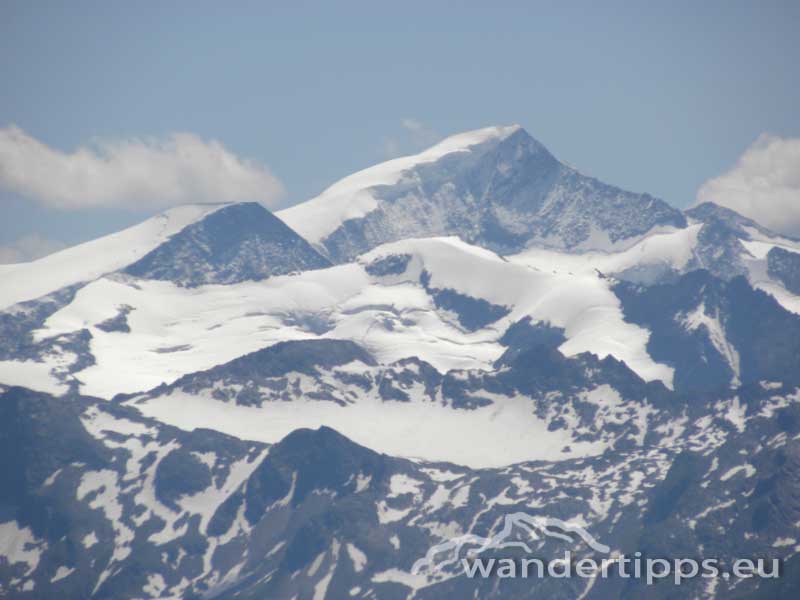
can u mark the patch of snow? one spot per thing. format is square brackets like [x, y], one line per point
[34, 375]
[321, 588]
[387, 514]
[770, 385]
[736, 413]
[362, 482]
[62, 573]
[415, 582]
[749, 471]
[461, 497]
[441, 476]
[438, 499]
[19, 545]
[716, 333]
[206, 502]
[357, 556]
[155, 586]
[402, 484]
[52, 478]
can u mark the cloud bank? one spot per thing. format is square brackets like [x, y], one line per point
[133, 173]
[764, 185]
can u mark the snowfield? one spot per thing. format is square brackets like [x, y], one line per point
[176, 330]
[503, 433]
[672, 248]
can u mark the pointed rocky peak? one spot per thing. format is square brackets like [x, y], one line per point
[309, 460]
[236, 243]
[720, 248]
[714, 214]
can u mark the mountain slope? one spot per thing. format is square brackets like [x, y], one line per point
[90, 260]
[715, 333]
[497, 188]
[439, 300]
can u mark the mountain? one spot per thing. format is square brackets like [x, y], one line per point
[497, 188]
[476, 349]
[722, 244]
[239, 242]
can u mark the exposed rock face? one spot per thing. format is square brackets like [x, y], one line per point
[236, 243]
[784, 266]
[715, 333]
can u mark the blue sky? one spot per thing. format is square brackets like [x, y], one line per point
[650, 97]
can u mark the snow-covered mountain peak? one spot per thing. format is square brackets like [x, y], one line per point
[389, 172]
[496, 187]
[351, 197]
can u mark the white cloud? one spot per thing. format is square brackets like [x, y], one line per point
[764, 185]
[133, 173]
[416, 137]
[29, 247]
